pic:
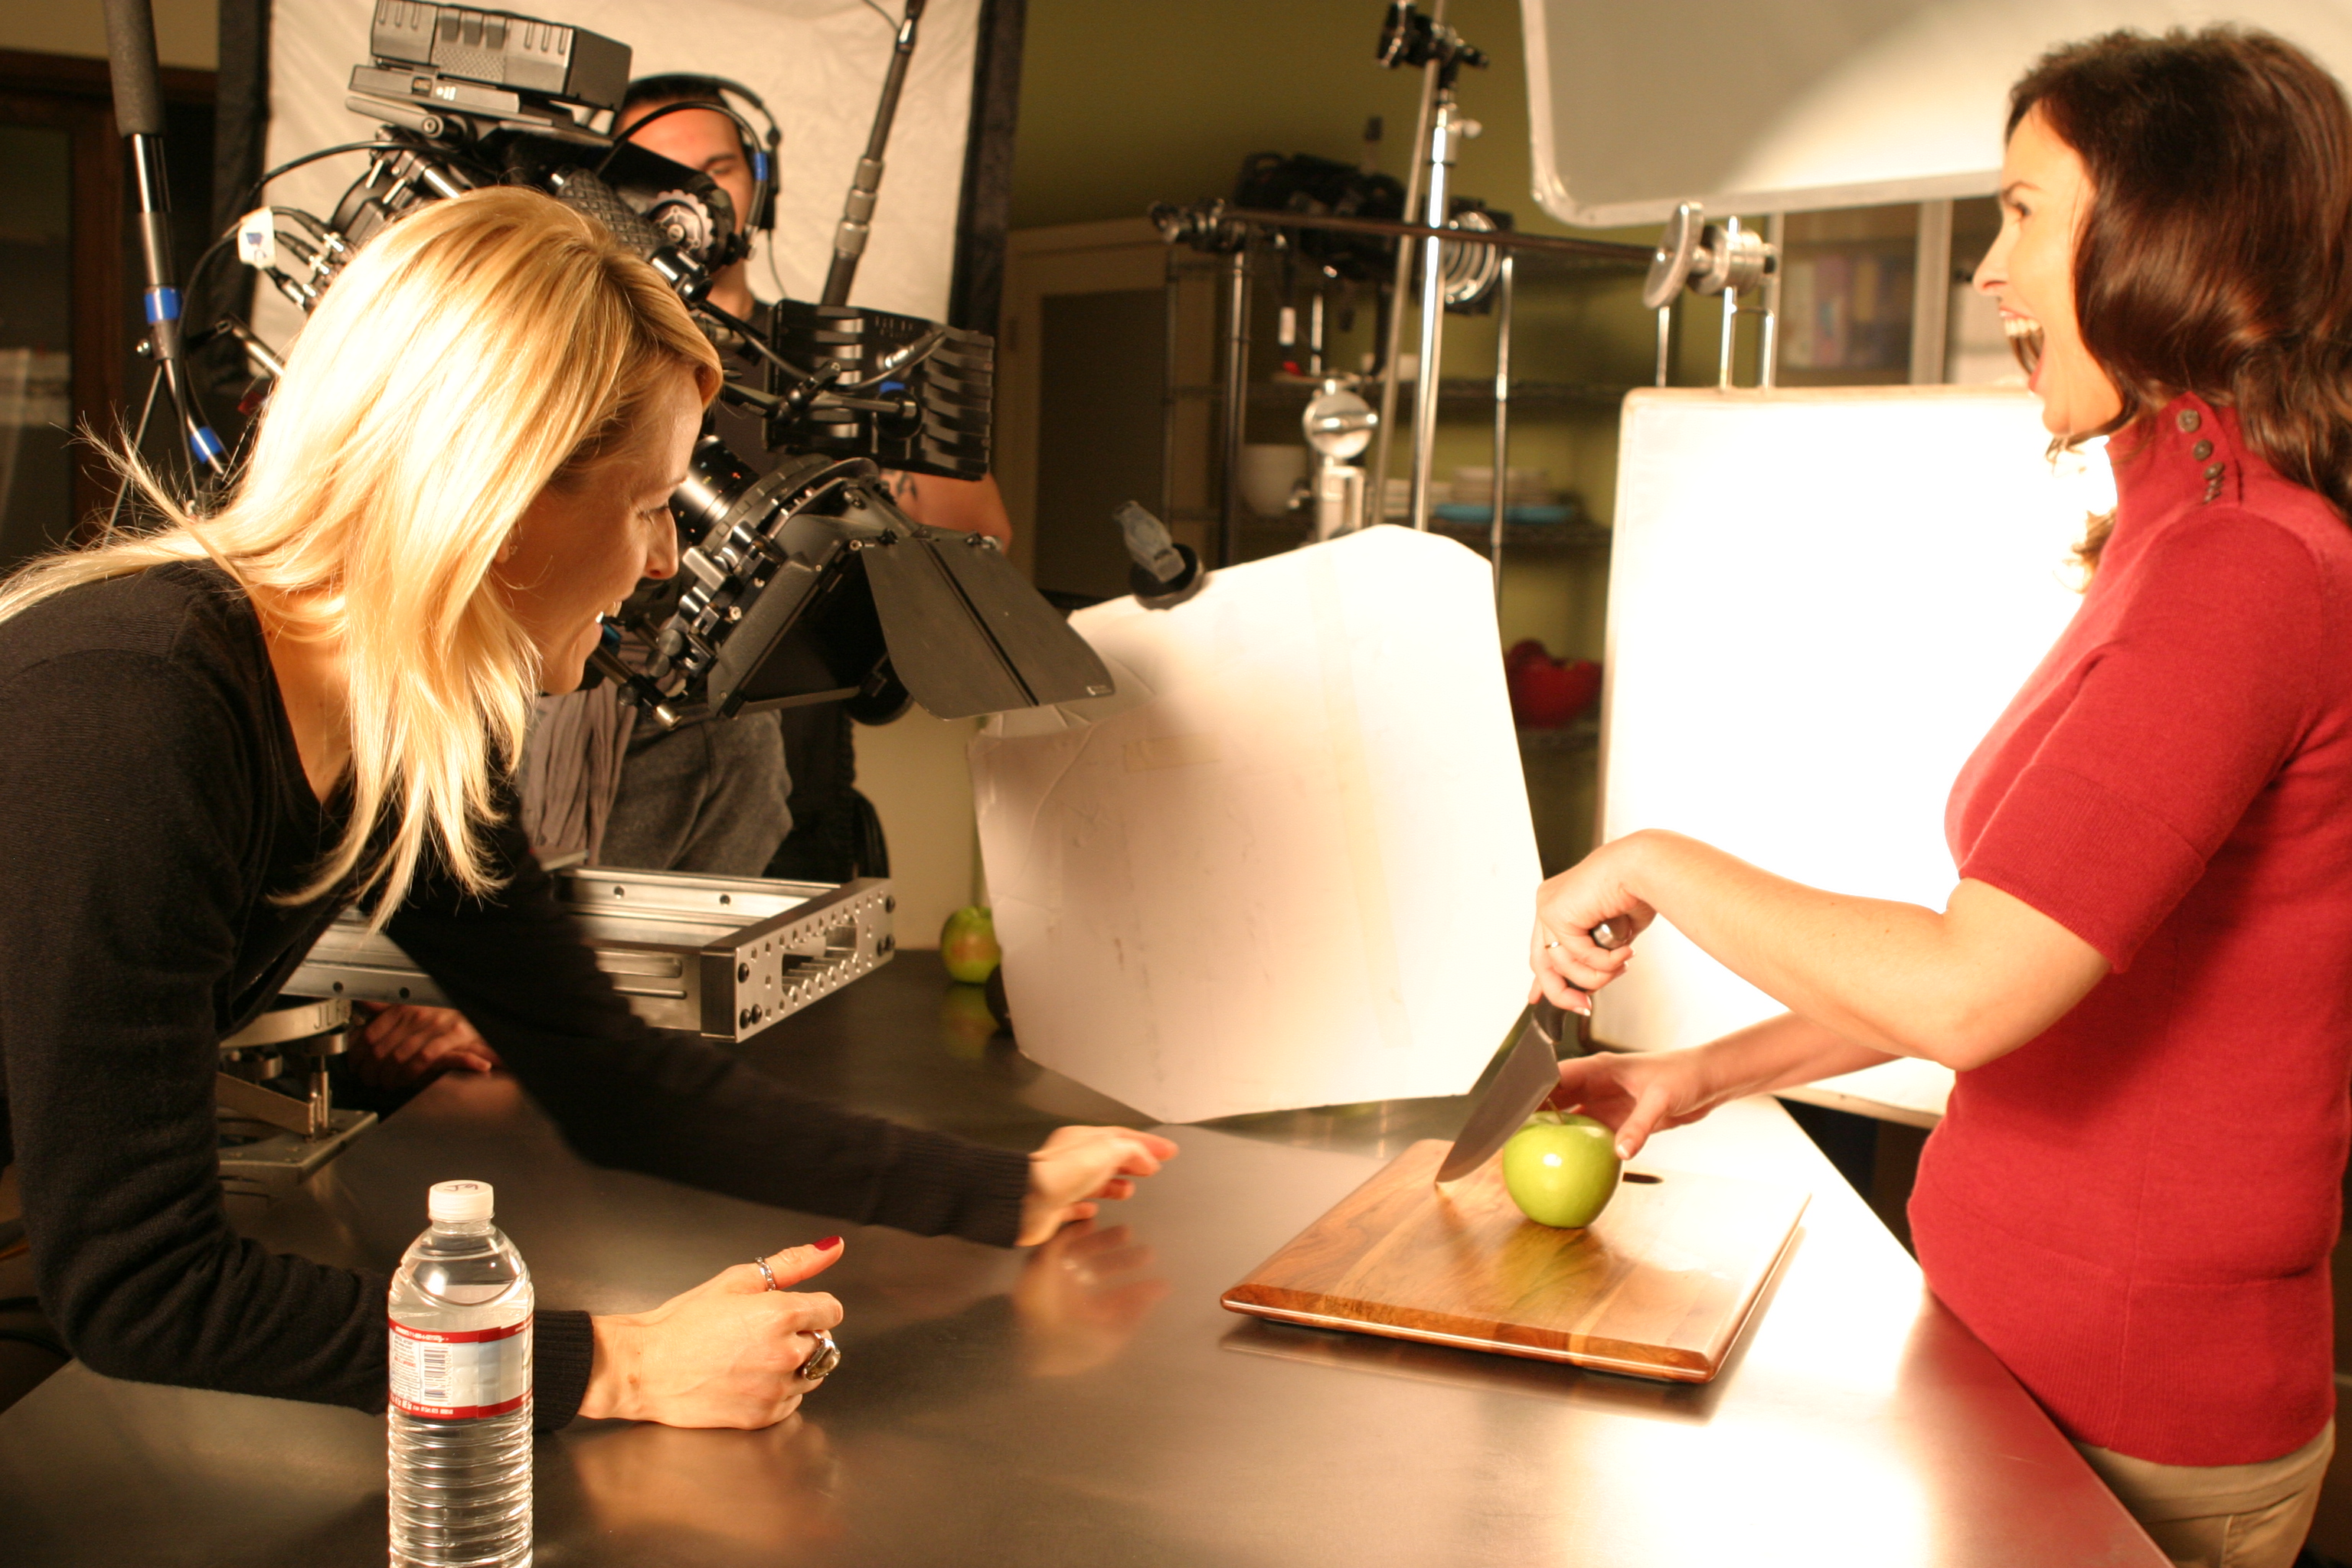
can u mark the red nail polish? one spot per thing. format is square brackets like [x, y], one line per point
[827, 1245]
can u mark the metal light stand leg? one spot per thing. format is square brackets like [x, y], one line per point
[139, 115]
[1502, 422]
[1376, 479]
[138, 441]
[1168, 396]
[1730, 321]
[858, 212]
[1433, 308]
[1237, 345]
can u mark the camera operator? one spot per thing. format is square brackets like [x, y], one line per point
[231, 727]
[831, 826]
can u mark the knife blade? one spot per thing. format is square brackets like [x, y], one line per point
[1528, 1076]
[1529, 1073]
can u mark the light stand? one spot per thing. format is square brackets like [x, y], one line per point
[1713, 258]
[1409, 38]
[139, 115]
[1339, 426]
[858, 212]
[1443, 139]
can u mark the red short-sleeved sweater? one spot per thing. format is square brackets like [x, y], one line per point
[2135, 1210]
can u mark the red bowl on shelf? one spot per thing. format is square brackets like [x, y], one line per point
[1546, 692]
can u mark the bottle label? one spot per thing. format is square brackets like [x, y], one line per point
[456, 1376]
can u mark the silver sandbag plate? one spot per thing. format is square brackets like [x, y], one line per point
[723, 957]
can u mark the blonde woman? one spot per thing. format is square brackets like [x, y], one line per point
[225, 730]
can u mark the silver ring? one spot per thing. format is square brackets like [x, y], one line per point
[821, 1360]
[766, 1273]
[1552, 943]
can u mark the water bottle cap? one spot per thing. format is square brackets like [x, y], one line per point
[459, 1202]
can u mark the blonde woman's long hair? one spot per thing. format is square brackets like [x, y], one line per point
[478, 350]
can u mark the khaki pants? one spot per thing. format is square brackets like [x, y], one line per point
[2222, 1516]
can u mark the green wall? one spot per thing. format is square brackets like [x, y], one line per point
[1124, 104]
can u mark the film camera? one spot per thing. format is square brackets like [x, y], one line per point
[803, 584]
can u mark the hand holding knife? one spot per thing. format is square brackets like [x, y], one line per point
[1610, 934]
[1528, 1076]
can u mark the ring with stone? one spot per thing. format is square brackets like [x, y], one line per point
[766, 1273]
[821, 1360]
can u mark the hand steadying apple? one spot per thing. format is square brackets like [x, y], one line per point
[1638, 1093]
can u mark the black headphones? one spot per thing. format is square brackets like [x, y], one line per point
[760, 151]
[763, 157]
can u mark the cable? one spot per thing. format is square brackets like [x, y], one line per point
[316, 226]
[904, 360]
[751, 137]
[253, 193]
[877, 10]
[212, 253]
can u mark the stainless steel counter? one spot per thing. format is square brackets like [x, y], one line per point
[1092, 1404]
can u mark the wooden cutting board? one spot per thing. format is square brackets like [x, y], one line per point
[1657, 1287]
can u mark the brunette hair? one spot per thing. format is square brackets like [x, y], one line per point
[478, 350]
[2217, 254]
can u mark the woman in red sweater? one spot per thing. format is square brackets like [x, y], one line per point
[2144, 975]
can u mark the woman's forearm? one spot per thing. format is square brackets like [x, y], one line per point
[1960, 987]
[1782, 1052]
[1642, 1092]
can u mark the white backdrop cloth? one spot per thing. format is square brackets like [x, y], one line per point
[1290, 863]
[1819, 602]
[818, 64]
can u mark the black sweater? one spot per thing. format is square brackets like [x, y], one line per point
[151, 801]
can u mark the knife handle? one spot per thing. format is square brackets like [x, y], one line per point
[1609, 936]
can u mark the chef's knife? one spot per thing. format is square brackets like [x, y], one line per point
[1528, 1074]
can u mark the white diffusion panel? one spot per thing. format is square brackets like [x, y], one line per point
[1818, 603]
[817, 64]
[1290, 863]
[1804, 104]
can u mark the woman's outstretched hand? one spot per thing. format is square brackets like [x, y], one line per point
[1567, 964]
[726, 1354]
[1638, 1094]
[403, 1044]
[1078, 1168]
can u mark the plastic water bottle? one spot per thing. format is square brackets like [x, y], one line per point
[461, 1405]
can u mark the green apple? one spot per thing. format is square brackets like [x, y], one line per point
[967, 945]
[1561, 1170]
